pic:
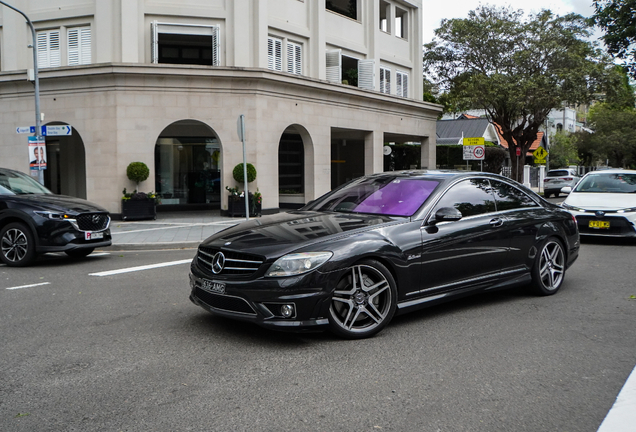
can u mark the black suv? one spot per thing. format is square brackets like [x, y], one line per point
[33, 221]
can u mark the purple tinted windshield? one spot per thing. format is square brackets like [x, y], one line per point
[400, 197]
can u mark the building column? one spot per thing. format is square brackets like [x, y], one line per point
[373, 156]
[429, 153]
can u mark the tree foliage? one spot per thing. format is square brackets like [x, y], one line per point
[514, 68]
[617, 18]
[563, 151]
[613, 139]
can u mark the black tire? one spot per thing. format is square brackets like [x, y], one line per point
[548, 271]
[79, 253]
[556, 195]
[17, 245]
[363, 302]
[546, 195]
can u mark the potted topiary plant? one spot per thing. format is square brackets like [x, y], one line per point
[138, 205]
[236, 199]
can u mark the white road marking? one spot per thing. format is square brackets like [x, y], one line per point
[175, 227]
[622, 416]
[96, 254]
[29, 286]
[140, 268]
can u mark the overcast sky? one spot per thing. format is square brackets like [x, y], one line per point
[435, 10]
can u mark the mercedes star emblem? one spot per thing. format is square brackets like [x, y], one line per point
[218, 262]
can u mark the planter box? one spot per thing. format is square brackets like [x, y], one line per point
[237, 208]
[138, 209]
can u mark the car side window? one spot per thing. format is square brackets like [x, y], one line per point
[470, 197]
[509, 197]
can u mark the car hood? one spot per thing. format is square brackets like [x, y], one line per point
[61, 203]
[601, 201]
[278, 234]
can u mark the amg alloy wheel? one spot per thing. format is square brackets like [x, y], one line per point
[363, 302]
[17, 248]
[549, 268]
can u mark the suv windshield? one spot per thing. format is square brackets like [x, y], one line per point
[16, 183]
[608, 183]
[391, 196]
[559, 173]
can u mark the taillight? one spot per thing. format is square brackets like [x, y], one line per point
[567, 179]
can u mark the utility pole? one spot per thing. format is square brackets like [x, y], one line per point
[36, 80]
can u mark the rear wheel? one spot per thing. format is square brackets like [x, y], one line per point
[546, 195]
[364, 301]
[549, 268]
[79, 253]
[17, 246]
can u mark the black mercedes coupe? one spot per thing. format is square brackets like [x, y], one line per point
[382, 245]
[33, 221]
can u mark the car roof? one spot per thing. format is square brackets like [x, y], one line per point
[437, 174]
[613, 171]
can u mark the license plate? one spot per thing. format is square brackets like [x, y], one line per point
[599, 224]
[213, 287]
[93, 235]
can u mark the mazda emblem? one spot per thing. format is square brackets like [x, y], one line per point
[218, 262]
[95, 219]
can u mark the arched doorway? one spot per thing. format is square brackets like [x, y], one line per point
[188, 165]
[291, 168]
[66, 164]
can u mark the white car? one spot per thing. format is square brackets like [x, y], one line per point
[604, 203]
[555, 180]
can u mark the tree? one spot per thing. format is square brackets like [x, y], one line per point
[617, 18]
[516, 69]
[563, 151]
[613, 138]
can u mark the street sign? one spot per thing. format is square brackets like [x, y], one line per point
[25, 129]
[474, 148]
[539, 155]
[57, 130]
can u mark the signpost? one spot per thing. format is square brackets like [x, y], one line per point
[240, 128]
[62, 130]
[474, 149]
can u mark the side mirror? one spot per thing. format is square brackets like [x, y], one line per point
[566, 190]
[446, 214]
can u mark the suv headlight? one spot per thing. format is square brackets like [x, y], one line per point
[54, 215]
[627, 210]
[298, 263]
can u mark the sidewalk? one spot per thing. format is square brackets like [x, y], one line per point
[177, 230]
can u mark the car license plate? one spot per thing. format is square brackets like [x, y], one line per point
[213, 287]
[599, 224]
[93, 235]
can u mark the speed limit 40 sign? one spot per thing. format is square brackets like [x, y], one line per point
[474, 149]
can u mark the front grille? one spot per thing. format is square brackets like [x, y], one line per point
[92, 221]
[235, 263]
[223, 302]
[619, 226]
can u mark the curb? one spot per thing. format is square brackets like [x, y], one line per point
[152, 246]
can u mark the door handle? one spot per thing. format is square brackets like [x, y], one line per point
[496, 222]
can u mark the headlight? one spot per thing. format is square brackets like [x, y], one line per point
[569, 207]
[298, 263]
[53, 215]
[629, 210]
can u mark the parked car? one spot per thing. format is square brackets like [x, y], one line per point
[34, 221]
[382, 245]
[556, 180]
[604, 203]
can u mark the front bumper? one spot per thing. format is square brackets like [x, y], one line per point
[260, 300]
[620, 225]
[67, 238]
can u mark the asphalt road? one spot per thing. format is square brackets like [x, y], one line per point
[129, 352]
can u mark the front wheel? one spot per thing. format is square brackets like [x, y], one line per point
[363, 302]
[17, 246]
[549, 268]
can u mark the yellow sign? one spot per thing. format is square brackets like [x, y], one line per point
[473, 141]
[540, 153]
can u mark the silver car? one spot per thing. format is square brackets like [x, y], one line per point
[557, 179]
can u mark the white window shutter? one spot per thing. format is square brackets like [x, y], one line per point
[85, 45]
[215, 46]
[48, 43]
[334, 66]
[73, 45]
[274, 54]
[398, 83]
[294, 58]
[154, 42]
[366, 74]
[405, 85]
[43, 49]
[54, 48]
